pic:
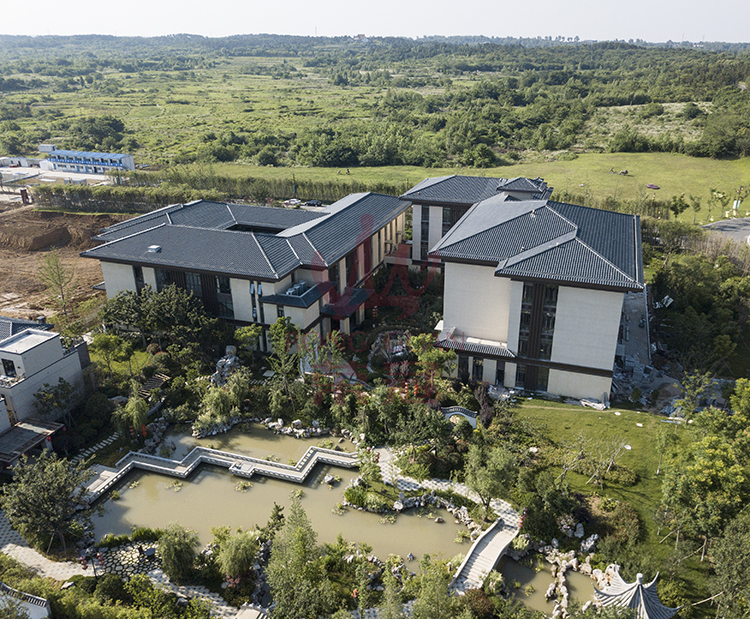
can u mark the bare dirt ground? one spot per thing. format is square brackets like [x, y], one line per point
[25, 236]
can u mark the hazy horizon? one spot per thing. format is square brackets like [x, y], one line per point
[654, 21]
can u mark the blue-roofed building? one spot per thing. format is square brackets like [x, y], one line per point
[86, 163]
[534, 292]
[253, 264]
[438, 203]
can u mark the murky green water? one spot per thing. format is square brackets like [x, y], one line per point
[532, 585]
[210, 498]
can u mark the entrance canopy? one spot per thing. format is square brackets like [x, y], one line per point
[24, 436]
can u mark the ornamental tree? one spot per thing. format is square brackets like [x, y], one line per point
[44, 499]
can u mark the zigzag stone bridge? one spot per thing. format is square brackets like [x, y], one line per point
[243, 466]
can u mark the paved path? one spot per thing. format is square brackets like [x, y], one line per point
[13, 545]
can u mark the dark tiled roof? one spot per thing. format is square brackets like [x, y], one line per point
[347, 303]
[197, 249]
[12, 326]
[468, 190]
[195, 236]
[549, 240]
[212, 215]
[465, 190]
[486, 350]
[304, 300]
[347, 223]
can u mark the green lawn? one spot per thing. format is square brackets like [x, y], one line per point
[587, 175]
[561, 423]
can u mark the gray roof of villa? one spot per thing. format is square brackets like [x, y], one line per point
[197, 236]
[211, 215]
[468, 190]
[546, 240]
[13, 326]
[638, 596]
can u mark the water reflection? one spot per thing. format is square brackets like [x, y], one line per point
[212, 497]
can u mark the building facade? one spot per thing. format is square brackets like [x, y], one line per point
[534, 292]
[253, 264]
[85, 162]
[29, 359]
[439, 203]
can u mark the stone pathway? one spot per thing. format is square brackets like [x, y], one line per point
[91, 450]
[392, 474]
[13, 545]
[219, 607]
[123, 561]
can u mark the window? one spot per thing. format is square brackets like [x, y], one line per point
[9, 368]
[224, 297]
[193, 284]
[542, 379]
[138, 277]
[280, 311]
[163, 279]
[223, 285]
[447, 219]
[477, 370]
[500, 373]
[463, 367]
[520, 376]
[425, 229]
[549, 309]
[424, 248]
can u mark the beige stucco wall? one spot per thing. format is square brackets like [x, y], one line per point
[242, 301]
[476, 302]
[586, 327]
[118, 277]
[514, 318]
[436, 225]
[20, 396]
[575, 385]
[149, 277]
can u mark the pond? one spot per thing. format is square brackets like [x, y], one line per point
[212, 497]
[532, 584]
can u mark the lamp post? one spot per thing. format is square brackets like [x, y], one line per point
[93, 558]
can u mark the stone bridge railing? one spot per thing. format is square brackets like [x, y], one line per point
[469, 415]
[238, 464]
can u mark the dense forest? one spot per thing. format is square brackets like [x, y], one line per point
[343, 102]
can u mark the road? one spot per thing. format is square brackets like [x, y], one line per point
[736, 229]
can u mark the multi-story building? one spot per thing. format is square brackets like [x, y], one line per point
[439, 203]
[86, 163]
[534, 292]
[254, 264]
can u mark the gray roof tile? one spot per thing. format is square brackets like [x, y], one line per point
[195, 236]
[549, 240]
[468, 190]
[13, 326]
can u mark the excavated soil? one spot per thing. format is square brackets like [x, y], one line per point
[25, 236]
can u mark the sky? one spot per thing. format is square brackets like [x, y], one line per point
[651, 20]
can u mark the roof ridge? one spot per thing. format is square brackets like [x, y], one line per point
[571, 235]
[231, 214]
[607, 261]
[128, 236]
[263, 253]
[455, 227]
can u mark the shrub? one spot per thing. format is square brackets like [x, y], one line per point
[237, 553]
[177, 550]
[356, 495]
[111, 588]
[376, 503]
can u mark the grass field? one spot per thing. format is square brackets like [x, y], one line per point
[561, 423]
[587, 175]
